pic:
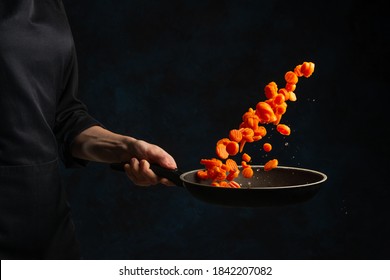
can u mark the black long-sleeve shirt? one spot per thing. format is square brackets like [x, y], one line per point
[40, 113]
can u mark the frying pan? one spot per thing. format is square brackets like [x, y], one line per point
[278, 187]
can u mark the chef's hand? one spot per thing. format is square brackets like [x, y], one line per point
[138, 169]
[101, 145]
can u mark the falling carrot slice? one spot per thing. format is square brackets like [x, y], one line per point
[232, 165]
[235, 135]
[307, 68]
[271, 164]
[291, 77]
[246, 157]
[283, 129]
[267, 147]
[221, 151]
[232, 148]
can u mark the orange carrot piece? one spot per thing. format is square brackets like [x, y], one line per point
[293, 96]
[283, 129]
[246, 157]
[307, 69]
[271, 164]
[221, 151]
[279, 99]
[235, 135]
[290, 87]
[270, 90]
[267, 147]
[297, 70]
[247, 172]
[232, 165]
[234, 184]
[232, 175]
[202, 174]
[232, 148]
[264, 112]
[291, 77]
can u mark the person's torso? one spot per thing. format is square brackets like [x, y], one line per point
[35, 49]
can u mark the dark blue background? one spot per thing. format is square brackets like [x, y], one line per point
[181, 73]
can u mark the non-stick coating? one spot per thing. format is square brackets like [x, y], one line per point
[280, 186]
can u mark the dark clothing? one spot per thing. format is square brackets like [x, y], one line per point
[40, 116]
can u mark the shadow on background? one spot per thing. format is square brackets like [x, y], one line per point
[181, 73]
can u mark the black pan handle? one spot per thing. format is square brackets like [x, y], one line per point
[172, 175]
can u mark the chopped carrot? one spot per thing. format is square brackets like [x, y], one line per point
[285, 92]
[235, 135]
[223, 141]
[246, 157]
[270, 90]
[232, 165]
[293, 96]
[232, 175]
[234, 184]
[202, 174]
[232, 148]
[247, 134]
[283, 129]
[247, 172]
[307, 69]
[291, 77]
[267, 147]
[290, 87]
[244, 164]
[279, 99]
[264, 112]
[271, 164]
[297, 70]
[210, 163]
[224, 184]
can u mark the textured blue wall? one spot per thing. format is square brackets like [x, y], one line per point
[181, 73]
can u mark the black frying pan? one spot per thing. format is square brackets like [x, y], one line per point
[277, 187]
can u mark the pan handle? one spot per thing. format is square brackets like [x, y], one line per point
[172, 175]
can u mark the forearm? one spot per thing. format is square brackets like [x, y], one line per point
[101, 145]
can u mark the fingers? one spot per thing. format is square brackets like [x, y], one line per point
[140, 173]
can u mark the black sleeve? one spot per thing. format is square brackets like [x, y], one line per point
[71, 115]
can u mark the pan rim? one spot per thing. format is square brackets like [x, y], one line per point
[324, 177]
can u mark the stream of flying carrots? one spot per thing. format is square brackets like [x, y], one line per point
[223, 170]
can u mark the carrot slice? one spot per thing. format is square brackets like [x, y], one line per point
[290, 87]
[234, 184]
[221, 151]
[270, 90]
[232, 175]
[283, 129]
[279, 99]
[235, 135]
[267, 147]
[210, 163]
[247, 172]
[246, 157]
[264, 112]
[232, 165]
[271, 164]
[202, 174]
[307, 69]
[291, 77]
[232, 148]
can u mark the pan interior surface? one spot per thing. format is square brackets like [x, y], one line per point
[278, 187]
[280, 177]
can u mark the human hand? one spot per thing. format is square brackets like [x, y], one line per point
[138, 168]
